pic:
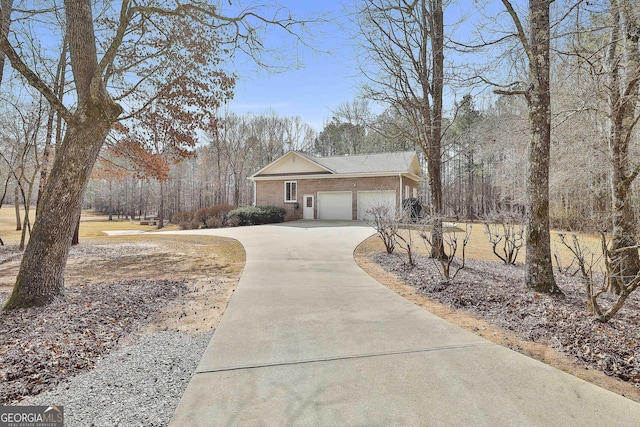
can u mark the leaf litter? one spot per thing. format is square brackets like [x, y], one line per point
[495, 292]
[41, 346]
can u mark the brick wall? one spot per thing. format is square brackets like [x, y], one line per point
[271, 193]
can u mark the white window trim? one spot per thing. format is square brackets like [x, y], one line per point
[295, 200]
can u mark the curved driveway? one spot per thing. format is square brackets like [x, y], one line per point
[310, 339]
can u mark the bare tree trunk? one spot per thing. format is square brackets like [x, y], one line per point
[471, 211]
[5, 21]
[110, 200]
[16, 205]
[76, 233]
[624, 65]
[46, 154]
[161, 209]
[539, 264]
[434, 149]
[41, 276]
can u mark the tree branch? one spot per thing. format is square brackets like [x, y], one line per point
[112, 50]
[521, 34]
[33, 79]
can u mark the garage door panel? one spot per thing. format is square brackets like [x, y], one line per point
[336, 205]
[371, 199]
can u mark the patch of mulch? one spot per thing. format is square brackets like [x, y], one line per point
[40, 347]
[495, 292]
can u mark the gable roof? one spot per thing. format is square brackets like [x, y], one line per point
[296, 163]
[396, 162]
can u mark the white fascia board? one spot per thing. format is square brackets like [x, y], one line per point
[286, 155]
[334, 176]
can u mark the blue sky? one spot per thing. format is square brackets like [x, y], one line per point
[328, 78]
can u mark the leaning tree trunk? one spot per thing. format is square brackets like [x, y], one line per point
[5, 22]
[41, 276]
[539, 267]
[626, 262]
[40, 279]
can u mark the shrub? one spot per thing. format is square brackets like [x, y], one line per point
[256, 215]
[214, 216]
[211, 217]
[214, 222]
[185, 220]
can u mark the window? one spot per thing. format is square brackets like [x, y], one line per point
[290, 191]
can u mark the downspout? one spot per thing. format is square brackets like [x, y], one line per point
[255, 194]
[400, 196]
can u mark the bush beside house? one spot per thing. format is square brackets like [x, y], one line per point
[228, 216]
[256, 215]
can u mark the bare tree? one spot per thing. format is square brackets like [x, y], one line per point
[23, 159]
[539, 264]
[605, 50]
[382, 219]
[452, 262]
[623, 69]
[404, 41]
[505, 229]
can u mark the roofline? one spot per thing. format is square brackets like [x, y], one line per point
[334, 175]
[288, 154]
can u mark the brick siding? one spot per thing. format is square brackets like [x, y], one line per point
[271, 193]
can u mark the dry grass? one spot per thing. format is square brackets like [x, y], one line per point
[92, 224]
[479, 247]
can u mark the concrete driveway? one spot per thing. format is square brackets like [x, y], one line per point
[310, 339]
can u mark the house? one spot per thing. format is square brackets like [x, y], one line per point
[337, 187]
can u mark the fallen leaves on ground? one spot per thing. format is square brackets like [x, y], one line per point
[41, 346]
[496, 293]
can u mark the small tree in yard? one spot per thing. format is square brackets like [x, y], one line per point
[587, 261]
[381, 218]
[405, 242]
[506, 235]
[448, 268]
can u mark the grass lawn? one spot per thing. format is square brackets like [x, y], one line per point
[92, 224]
[479, 247]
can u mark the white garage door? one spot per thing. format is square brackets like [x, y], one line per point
[371, 199]
[335, 205]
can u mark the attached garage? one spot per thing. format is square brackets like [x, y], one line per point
[335, 205]
[336, 187]
[371, 199]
